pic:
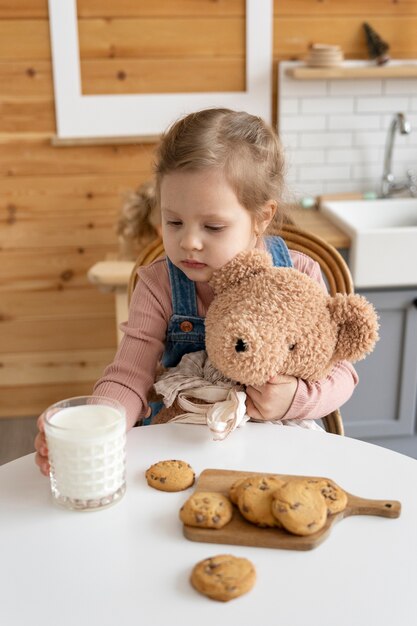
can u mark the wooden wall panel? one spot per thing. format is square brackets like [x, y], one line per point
[87, 231]
[161, 8]
[30, 400]
[23, 158]
[26, 79]
[90, 193]
[293, 35]
[46, 335]
[24, 8]
[366, 9]
[24, 40]
[128, 8]
[58, 206]
[40, 368]
[43, 298]
[161, 38]
[163, 75]
[50, 268]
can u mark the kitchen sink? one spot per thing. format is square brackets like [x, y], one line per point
[383, 237]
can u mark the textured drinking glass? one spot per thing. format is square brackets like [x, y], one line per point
[86, 438]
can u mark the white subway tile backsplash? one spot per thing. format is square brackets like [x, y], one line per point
[386, 104]
[289, 106]
[298, 122]
[307, 189]
[335, 130]
[405, 86]
[311, 106]
[294, 88]
[327, 139]
[349, 186]
[355, 87]
[290, 140]
[373, 138]
[353, 155]
[405, 154]
[305, 157]
[366, 170]
[353, 122]
[323, 172]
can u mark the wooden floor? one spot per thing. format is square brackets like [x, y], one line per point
[16, 437]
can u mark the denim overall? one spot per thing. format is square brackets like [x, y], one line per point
[186, 330]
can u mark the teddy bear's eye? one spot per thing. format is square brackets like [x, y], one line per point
[240, 346]
[291, 347]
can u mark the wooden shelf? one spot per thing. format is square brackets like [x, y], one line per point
[350, 71]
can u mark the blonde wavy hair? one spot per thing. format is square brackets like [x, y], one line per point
[139, 221]
[243, 146]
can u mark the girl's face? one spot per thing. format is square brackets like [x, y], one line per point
[203, 223]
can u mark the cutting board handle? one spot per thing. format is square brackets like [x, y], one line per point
[365, 506]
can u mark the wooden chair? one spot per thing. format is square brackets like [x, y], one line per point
[150, 253]
[338, 278]
[332, 264]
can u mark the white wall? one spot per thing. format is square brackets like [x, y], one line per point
[334, 131]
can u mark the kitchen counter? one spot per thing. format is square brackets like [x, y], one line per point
[313, 221]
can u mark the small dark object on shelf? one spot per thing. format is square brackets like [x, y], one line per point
[377, 47]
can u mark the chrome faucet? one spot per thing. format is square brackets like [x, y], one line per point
[389, 186]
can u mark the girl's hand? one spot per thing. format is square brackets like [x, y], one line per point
[272, 400]
[41, 458]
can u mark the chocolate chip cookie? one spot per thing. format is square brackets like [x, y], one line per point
[223, 577]
[299, 507]
[234, 489]
[335, 498]
[254, 499]
[206, 510]
[170, 475]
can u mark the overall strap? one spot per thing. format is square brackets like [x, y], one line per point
[278, 249]
[184, 299]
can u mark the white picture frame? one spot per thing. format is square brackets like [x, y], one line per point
[81, 116]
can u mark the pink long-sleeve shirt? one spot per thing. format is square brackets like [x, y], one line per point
[132, 373]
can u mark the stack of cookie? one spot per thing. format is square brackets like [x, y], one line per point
[297, 505]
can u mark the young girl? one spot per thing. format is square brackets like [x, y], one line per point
[219, 183]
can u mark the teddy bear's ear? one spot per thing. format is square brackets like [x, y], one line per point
[357, 324]
[243, 266]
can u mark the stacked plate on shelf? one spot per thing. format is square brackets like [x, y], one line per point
[323, 55]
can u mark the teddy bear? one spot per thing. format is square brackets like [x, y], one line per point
[267, 320]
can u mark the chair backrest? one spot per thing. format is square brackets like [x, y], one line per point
[150, 253]
[338, 278]
[332, 264]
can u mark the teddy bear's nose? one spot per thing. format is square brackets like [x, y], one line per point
[240, 345]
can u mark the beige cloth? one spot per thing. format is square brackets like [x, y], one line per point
[225, 402]
[196, 377]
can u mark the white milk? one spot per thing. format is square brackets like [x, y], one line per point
[86, 446]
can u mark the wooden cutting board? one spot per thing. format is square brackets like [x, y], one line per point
[241, 532]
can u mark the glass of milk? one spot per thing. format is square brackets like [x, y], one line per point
[86, 438]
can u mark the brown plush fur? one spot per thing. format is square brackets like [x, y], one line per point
[267, 320]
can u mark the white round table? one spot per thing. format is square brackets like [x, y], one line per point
[130, 564]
